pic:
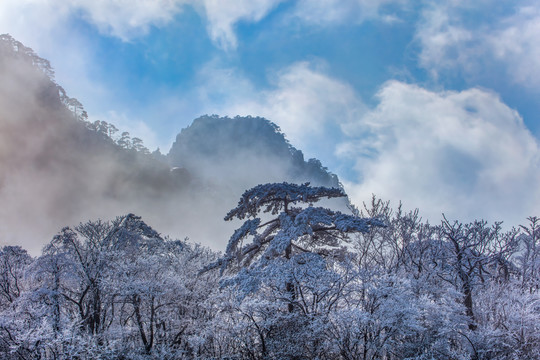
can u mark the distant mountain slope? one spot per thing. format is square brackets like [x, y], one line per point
[245, 151]
[57, 169]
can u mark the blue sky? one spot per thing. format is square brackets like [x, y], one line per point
[434, 103]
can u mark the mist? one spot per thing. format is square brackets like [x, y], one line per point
[56, 172]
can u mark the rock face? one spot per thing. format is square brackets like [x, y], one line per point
[56, 169]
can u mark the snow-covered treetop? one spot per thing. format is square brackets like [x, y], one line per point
[123, 232]
[277, 197]
[135, 225]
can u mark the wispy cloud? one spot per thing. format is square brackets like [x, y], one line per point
[128, 19]
[334, 12]
[515, 42]
[223, 15]
[449, 41]
[120, 18]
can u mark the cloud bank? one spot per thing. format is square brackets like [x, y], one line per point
[466, 154]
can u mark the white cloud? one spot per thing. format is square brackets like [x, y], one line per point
[32, 21]
[442, 41]
[122, 18]
[448, 42]
[127, 18]
[341, 11]
[223, 15]
[516, 43]
[307, 104]
[462, 153]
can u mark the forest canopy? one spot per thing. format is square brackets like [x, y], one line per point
[309, 283]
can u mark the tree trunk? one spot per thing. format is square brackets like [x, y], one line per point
[138, 318]
[288, 285]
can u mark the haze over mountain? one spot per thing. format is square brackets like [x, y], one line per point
[243, 151]
[58, 169]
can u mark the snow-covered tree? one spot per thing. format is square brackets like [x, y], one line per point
[13, 263]
[529, 256]
[473, 253]
[108, 289]
[158, 292]
[298, 228]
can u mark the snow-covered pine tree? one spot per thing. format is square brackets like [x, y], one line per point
[299, 228]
